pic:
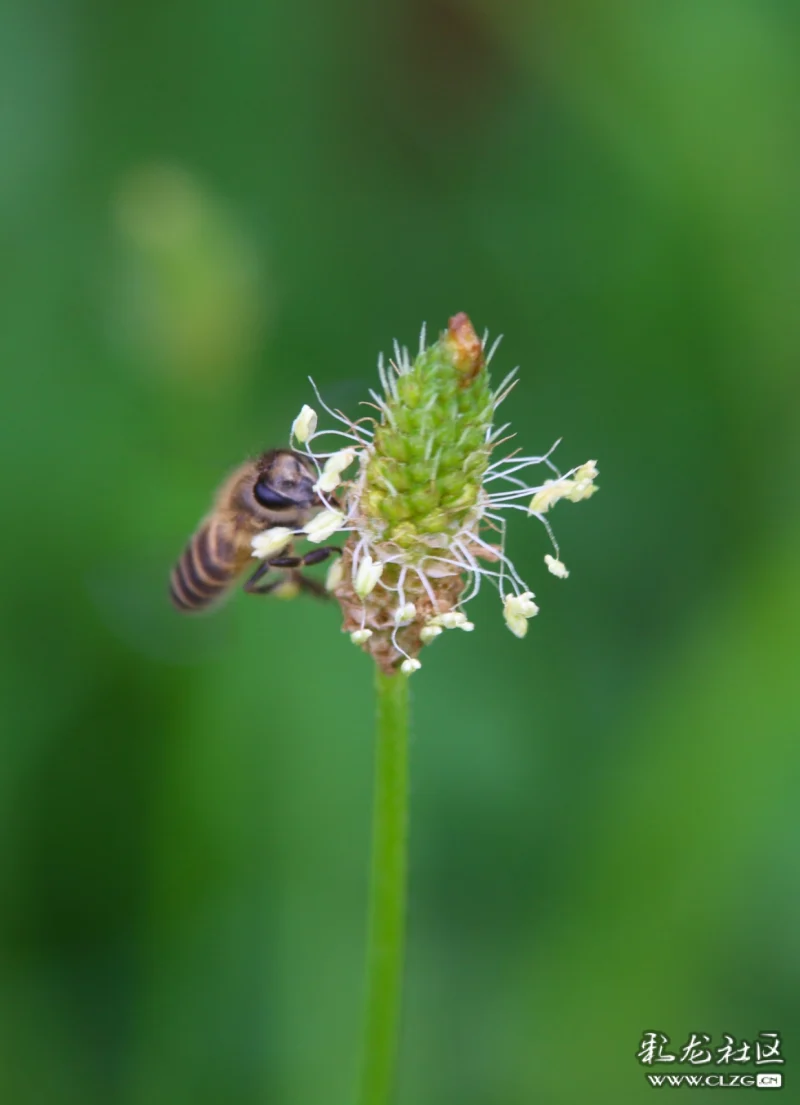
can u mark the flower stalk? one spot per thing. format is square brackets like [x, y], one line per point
[387, 907]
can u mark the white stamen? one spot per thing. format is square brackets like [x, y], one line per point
[334, 414]
[305, 424]
[549, 494]
[367, 576]
[271, 541]
[517, 625]
[409, 666]
[523, 604]
[423, 578]
[516, 611]
[583, 489]
[335, 575]
[359, 636]
[323, 525]
[525, 462]
[556, 566]
[451, 620]
[430, 633]
[334, 466]
[405, 613]
[587, 471]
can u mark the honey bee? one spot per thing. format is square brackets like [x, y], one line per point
[275, 489]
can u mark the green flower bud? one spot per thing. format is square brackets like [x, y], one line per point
[431, 451]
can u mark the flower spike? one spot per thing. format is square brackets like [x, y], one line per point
[425, 497]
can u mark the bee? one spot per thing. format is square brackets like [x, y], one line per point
[275, 489]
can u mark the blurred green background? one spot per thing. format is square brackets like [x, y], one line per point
[204, 203]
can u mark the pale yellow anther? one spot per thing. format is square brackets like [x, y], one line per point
[524, 604]
[323, 525]
[451, 620]
[516, 611]
[335, 575]
[517, 624]
[557, 567]
[334, 466]
[287, 589]
[583, 489]
[271, 541]
[583, 483]
[549, 494]
[405, 613]
[430, 633]
[409, 666]
[359, 636]
[367, 576]
[305, 424]
[466, 626]
[588, 471]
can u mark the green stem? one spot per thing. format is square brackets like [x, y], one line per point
[387, 906]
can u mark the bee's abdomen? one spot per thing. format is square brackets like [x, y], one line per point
[206, 569]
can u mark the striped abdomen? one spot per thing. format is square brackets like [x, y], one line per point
[208, 566]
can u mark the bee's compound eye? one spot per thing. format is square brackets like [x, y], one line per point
[267, 496]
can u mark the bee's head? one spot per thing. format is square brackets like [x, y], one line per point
[285, 483]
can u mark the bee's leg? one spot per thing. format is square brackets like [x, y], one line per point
[316, 556]
[305, 583]
[288, 579]
[258, 574]
[312, 586]
[267, 589]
